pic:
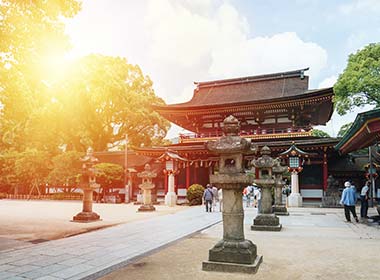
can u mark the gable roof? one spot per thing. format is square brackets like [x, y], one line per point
[248, 89]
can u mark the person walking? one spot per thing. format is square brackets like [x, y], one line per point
[364, 201]
[349, 200]
[214, 197]
[207, 198]
[220, 196]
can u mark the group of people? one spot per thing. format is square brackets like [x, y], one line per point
[349, 199]
[211, 197]
[252, 192]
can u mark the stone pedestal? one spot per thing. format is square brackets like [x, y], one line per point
[279, 208]
[295, 198]
[147, 202]
[266, 220]
[86, 215]
[171, 196]
[233, 253]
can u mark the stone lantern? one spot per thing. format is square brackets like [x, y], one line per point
[147, 175]
[266, 220]
[233, 253]
[88, 185]
[279, 208]
[295, 158]
[171, 160]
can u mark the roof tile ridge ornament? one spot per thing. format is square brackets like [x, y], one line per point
[247, 79]
[230, 142]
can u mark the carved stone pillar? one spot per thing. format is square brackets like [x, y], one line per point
[171, 196]
[295, 198]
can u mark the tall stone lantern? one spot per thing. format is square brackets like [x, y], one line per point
[266, 220]
[88, 185]
[147, 185]
[279, 208]
[171, 160]
[233, 253]
[295, 158]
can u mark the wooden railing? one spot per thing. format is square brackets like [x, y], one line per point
[263, 134]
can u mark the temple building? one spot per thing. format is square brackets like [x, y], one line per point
[277, 110]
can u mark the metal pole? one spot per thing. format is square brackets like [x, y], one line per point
[126, 184]
[371, 186]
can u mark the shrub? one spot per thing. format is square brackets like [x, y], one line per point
[195, 194]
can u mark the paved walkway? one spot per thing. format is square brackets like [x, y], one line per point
[94, 254]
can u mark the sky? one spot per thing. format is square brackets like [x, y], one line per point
[178, 42]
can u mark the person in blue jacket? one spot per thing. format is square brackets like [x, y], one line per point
[349, 201]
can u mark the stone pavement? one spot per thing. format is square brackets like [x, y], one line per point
[315, 243]
[91, 255]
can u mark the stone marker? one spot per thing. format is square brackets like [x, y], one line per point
[279, 208]
[266, 220]
[88, 185]
[233, 253]
[147, 175]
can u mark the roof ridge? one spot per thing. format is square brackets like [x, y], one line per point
[270, 76]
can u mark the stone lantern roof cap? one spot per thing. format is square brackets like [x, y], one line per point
[294, 151]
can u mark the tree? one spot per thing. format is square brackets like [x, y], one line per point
[32, 168]
[104, 98]
[319, 133]
[359, 84]
[344, 128]
[66, 170]
[8, 178]
[108, 175]
[32, 43]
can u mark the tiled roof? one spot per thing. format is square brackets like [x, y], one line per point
[248, 89]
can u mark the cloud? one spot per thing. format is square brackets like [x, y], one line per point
[328, 82]
[358, 6]
[213, 39]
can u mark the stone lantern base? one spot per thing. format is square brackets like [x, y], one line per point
[295, 200]
[86, 217]
[146, 208]
[280, 210]
[171, 199]
[233, 256]
[266, 222]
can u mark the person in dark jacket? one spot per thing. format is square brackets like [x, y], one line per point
[207, 198]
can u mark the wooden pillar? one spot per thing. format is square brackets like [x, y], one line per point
[325, 171]
[195, 174]
[175, 183]
[187, 175]
[166, 183]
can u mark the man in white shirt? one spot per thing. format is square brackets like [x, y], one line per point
[364, 201]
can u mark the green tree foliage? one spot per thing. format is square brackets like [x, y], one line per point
[32, 168]
[359, 84]
[66, 170]
[8, 178]
[32, 37]
[319, 133]
[104, 98]
[195, 194]
[344, 128]
[109, 175]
